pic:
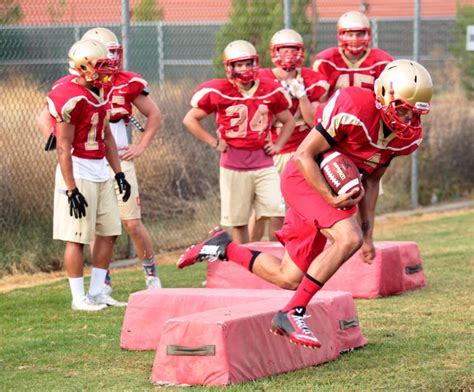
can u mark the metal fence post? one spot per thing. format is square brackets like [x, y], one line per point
[161, 56]
[125, 31]
[287, 13]
[125, 34]
[375, 33]
[416, 57]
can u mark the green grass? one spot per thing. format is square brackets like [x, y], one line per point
[420, 340]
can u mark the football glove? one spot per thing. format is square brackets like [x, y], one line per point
[296, 88]
[77, 203]
[123, 185]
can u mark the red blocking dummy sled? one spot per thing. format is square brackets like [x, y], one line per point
[397, 267]
[232, 345]
[149, 310]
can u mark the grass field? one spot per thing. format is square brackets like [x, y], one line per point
[421, 340]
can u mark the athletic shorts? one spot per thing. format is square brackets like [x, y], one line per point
[243, 190]
[307, 213]
[280, 160]
[131, 208]
[102, 216]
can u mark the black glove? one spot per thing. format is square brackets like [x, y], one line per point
[123, 185]
[77, 203]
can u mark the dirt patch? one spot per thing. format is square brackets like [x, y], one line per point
[11, 282]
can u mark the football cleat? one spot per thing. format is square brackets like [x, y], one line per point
[291, 324]
[153, 282]
[212, 248]
[107, 300]
[107, 289]
[87, 304]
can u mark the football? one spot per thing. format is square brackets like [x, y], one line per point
[340, 172]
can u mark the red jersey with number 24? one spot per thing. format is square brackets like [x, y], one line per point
[244, 118]
[70, 102]
[352, 124]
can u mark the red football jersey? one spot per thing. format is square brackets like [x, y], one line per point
[316, 87]
[72, 103]
[352, 124]
[244, 118]
[342, 73]
[126, 87]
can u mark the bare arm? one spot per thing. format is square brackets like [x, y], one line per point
[111, 153]
[150, 110]
[367, 212]
[65, 136]
[307, 110]
[44, 123]
[192, 121]
[305, 158]
[288, 125]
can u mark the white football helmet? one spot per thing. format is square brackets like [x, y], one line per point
[90, 59]
[287, 38]
[353, 21]
[108, 38]
[241, 50]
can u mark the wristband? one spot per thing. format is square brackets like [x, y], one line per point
[217, 144]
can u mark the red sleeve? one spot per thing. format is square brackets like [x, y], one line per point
[64, 106]
[335, 122]
[205, 98]
[316, 85]
[137, 86]
[281, 101]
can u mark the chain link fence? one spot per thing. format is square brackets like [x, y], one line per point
[178, 175]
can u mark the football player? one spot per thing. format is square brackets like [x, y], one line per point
[246, 107]
[354, 62]
[84, 198]
[126, 89]
[371, 129]
[306, 88]
[130, 90]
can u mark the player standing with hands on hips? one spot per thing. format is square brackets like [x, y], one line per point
[130, 90]
[370, 129]
[84, 198]
[246, 107]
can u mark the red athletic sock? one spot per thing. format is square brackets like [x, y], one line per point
[241, 255]
[305, 291]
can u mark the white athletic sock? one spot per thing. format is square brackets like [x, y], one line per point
[77, 288]
[97, 281]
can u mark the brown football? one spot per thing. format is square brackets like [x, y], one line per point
[340, 172]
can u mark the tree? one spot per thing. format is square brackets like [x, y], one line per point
[464, 17]
[147, 10]
[11, 12]
[256, 21]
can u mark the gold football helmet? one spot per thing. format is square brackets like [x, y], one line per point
[403, 92]
[241, 50]
[287, 38]
[351, 22]
[90, 60]
[108, 38]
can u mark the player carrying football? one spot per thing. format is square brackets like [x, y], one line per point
[369, 128]
[245, 106]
